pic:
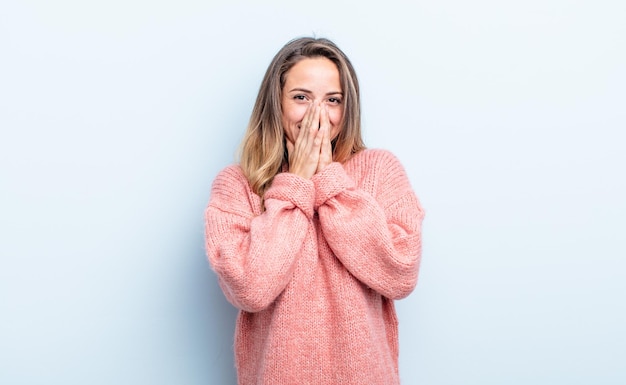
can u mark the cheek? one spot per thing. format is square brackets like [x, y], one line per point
[335, 115]
[293, 114]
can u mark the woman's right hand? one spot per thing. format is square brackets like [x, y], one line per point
[304, 154]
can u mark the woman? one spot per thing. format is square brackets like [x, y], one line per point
[312, 236]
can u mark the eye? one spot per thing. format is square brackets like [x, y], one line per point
[334, 100]
[299, 97]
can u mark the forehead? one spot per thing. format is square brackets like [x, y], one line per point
[313, 71]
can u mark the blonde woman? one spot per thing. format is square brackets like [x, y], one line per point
[313, 236]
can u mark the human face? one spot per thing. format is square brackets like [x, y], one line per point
[311, 81]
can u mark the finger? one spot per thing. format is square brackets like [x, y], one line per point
[324, 118]
[323, 159]
[305, 139]
[325, 125]
[308, 117]
[326, 150]
[303, 130]
[314, 129]
[305, 125]
[311, 128]
[305, 152]
[314, 125]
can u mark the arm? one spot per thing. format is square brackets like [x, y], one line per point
[254, 256]
[376, 237]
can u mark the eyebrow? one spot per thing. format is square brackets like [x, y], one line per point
[308, 91]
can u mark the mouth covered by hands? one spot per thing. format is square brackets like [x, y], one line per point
[312, 150]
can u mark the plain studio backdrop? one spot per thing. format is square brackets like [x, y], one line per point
[508, 116]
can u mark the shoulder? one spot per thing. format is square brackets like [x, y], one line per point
[377, 160]
[230, 177]
[379, 172]
[375, 155]
[232, 171]
[231, 191]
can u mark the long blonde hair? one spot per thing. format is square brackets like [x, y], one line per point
[263, 150]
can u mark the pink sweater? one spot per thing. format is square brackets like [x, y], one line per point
[315, 275]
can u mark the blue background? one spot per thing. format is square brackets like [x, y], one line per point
[116, 116]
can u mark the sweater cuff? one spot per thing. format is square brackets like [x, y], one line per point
[295, 189]
[329, 182]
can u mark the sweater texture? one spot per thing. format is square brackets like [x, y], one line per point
[316, 273]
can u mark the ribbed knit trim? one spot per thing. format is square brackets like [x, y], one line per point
[293, 188]
[329, 182]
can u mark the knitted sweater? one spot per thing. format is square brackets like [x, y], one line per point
[316, 273]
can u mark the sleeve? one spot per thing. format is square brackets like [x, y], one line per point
[254, 256]
[377, 237]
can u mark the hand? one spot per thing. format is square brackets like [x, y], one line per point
[326, 150]
[304, 154]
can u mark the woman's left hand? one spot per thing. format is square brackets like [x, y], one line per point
[326, 150]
